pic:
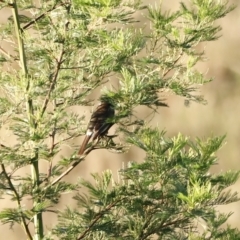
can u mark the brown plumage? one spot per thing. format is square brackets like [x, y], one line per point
[98, 125]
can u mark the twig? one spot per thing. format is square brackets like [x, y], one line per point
[54, 80]
[81, 158]
[40, 16]
[24, 224]
[66, 172]
[98, 216]
[52, 135]
[180, 55]
[66, 139]
[55, 76]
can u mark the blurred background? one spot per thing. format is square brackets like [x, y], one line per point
[220, 116]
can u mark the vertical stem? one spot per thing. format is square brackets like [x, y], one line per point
[38, 223]
[19, 34]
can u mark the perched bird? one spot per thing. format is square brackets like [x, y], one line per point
[99, 123]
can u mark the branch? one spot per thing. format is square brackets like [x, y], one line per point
[177, 59]
[24, 224]
[82, 157]
[54, 80]
[55, 76]
[52, 135]
[41, 16]
[97, 217]
[66, 139]
[79, 159]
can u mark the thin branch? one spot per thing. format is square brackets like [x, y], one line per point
[55, 76]
[174, 222]
[66, 139]
[52, 135]
[72, 67]
[165, 73]
[66, 172]
[24, 224]
[97, 217]
[41, 16]
[81, 158]
[9, 149]
[144, 234]
[54, 80]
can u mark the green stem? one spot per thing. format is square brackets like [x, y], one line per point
[19, 34]
[38, 222]
[23, 61]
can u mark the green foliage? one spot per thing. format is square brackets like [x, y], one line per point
[166, 196]
[63, 52]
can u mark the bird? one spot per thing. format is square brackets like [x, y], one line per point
[99, 124]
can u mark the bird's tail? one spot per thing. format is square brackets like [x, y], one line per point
[84, 144]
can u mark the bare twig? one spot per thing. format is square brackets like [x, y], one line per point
[81, 158]
[66, 172]
[41, 16]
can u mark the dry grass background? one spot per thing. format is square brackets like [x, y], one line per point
[220, 116]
